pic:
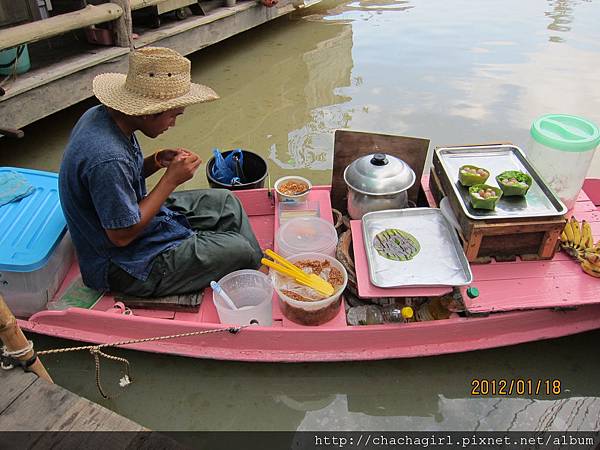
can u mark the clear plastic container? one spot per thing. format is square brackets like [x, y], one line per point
[306, 234]
[252, 293]
[26, 293]
[309, 312]
[561, 149]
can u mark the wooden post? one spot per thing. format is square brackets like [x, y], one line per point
[47, 28]
[13, 339]
[123, 25]
[139, 4]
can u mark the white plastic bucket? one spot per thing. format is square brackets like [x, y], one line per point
[252, 293]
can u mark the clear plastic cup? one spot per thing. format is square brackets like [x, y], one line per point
[252, 293]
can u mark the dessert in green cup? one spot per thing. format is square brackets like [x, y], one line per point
[513, 182]
[469, 175]
[484, 196]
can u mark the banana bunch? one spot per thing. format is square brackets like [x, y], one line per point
[591, 264]
[577, 240]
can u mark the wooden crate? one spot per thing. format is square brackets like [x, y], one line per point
[502, 239]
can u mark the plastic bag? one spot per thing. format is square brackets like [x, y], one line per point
[228, 170]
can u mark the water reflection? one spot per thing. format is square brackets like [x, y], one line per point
[562, 16]
[420, 394]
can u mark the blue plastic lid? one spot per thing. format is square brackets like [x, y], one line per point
[31, 228]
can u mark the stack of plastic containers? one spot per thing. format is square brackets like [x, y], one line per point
[306, 235]
[35, 248]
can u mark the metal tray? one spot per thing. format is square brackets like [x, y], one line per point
[540, 201]
[440, 262]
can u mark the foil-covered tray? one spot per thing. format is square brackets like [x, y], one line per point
[439, 262]
[540, 200]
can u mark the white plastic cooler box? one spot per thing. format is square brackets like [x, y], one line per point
[35, 247]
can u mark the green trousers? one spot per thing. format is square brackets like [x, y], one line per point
[223, 241]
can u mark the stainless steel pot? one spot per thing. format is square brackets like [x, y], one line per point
[377, 182]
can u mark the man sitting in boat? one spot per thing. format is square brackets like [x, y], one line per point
[128, 240]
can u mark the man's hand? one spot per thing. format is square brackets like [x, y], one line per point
[164, 157]
[181, 167]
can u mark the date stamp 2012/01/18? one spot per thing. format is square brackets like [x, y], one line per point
[481, 387]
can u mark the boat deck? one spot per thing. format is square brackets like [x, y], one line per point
[528, 283]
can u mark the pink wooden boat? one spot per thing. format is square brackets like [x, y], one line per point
[522, 301]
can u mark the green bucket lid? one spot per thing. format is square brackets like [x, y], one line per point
[567, 133]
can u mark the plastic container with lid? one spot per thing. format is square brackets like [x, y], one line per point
[306, 234]
[561, 149]
[252, 293]
[35, 247]
[314, 312]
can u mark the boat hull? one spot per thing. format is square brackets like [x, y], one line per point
[275, 344]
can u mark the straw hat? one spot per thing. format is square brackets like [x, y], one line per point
[158, 80]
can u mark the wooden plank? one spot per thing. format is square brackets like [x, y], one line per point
[26, 102]
[256, 202]
[215, 35]
[350, 145]
[138, 4]
[66, 67]
[42, 406]
[63, 23]
[184, 302]
[12, 384]
[38, 408]
[46, 411]
[568, 290]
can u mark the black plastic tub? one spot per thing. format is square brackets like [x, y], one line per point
[255, 172]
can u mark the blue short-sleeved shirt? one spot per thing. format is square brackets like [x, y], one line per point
[101, 183]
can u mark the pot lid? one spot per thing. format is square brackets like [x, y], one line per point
[379, 174]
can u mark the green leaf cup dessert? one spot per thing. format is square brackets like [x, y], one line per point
[484, 196]
[470, 175]
[513, 182]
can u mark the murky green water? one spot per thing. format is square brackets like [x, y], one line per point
[453, 71]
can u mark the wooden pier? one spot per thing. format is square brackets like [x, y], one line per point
[28, 403]
[46, 411]
[57, 82]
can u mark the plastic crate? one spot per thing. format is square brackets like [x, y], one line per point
[35, 248]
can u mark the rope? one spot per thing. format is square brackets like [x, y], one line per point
[15, 354]
[232, 330]
[125, 380]
[96, 352]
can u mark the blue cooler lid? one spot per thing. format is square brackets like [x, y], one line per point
[31, 228]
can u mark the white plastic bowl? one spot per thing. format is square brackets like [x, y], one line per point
[306, 235]
[252, 292]
[310, 313]
[292, 198]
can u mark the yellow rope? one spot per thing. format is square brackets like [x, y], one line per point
[96, 352]
[137, 341]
